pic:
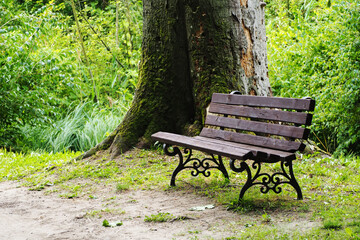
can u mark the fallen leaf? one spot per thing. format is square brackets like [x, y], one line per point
[202, 208]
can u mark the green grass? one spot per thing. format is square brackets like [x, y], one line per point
[15, 166]
[159, 217]
[122, 187]
[330, 187]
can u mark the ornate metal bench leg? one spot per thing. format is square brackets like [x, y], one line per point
[179, 167]
[293, 181]
[249, 181]
[222, 168]
[176, 151]
[198, 166]
[265, 180]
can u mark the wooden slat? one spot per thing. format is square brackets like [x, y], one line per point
[260, 101]
[258, 127]
[266, 142]
[208, 147]
[260, 153]
[301, 118]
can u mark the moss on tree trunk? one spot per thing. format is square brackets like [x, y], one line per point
[191, 49]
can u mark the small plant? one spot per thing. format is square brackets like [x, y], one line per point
[160, 217]
[106, 223]
[266, 218]
[333, 223]
[122, 187]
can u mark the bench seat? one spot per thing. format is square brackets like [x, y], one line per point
[204, 145]
[228, 149]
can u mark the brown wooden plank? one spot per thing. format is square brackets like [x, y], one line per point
[266, 142]
[301, 118]
[208, 147]
[260, 153]
[258, 127]
[260, 101]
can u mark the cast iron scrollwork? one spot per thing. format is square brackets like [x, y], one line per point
[267, 181]
[197, 165]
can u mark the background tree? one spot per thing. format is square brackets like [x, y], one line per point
[190, 50]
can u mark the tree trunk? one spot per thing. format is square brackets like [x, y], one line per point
[191, 49]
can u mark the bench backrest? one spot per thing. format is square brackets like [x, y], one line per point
[254, 120]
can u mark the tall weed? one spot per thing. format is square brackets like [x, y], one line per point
[81, 129]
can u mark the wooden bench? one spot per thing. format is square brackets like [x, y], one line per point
[249, 129]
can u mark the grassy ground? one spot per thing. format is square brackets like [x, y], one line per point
[330, 188]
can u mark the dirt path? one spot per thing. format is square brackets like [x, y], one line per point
[32, 215]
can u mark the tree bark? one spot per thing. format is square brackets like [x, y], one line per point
[191, 49]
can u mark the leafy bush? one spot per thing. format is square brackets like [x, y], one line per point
[33, 79]
[314, 50]
[42, 74]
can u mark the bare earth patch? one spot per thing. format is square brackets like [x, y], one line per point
[33, 215]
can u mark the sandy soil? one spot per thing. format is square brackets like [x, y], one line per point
[28, 214]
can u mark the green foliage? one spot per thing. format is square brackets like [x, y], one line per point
[314, 50]
[115, 67]
[42, 75]
[32, 78]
